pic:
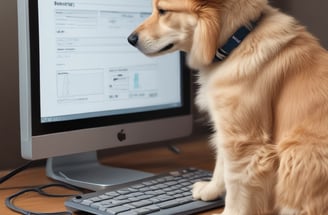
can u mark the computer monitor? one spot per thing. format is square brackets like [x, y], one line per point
[83, 88]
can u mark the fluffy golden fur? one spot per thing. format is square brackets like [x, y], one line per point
[268, 102]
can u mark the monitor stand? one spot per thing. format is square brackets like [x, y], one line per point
[84, 170]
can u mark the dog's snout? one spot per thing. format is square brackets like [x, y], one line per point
[133, 39]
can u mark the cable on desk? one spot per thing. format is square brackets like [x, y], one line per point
[42, 191]
[174, 149]
[15, 171]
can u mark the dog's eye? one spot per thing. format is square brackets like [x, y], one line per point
[162, 11]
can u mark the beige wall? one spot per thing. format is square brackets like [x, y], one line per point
[311, 13]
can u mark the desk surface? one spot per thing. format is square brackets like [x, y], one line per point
[195, 152]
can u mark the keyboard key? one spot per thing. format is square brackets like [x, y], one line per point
[169, 204]
[116, 210]
[129, 213]
[119, 202]
[143, 211]
[141, 203]
[126, 191]
[138, 186]
[86, 202]
[113, 193]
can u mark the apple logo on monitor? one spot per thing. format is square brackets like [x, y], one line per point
[121, 136]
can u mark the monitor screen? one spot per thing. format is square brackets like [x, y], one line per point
[83, 87]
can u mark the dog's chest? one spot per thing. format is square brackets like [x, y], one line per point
[227, 100]
[217, 90]
[217, 96]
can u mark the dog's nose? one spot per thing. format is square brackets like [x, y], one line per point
[133, 39]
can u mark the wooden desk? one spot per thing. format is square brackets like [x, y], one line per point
[195, 152]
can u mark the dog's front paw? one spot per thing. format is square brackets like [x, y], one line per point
[206, 190]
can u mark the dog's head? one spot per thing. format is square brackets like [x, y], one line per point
[193, 26]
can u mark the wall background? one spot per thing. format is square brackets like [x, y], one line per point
[9, 110]
[312, 14]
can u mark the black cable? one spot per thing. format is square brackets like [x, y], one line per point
[15, 171]
[41, 190]
[9, 200]
[174, 149]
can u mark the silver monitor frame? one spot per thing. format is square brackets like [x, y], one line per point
[71, 153]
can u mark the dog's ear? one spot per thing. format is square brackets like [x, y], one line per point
[205, 39]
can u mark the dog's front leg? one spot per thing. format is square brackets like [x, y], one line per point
[210, 190]
[249, 179]
[238, 196]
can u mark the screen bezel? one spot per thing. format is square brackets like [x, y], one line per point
[39, 128]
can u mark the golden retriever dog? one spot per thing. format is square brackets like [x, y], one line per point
[267, 98]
